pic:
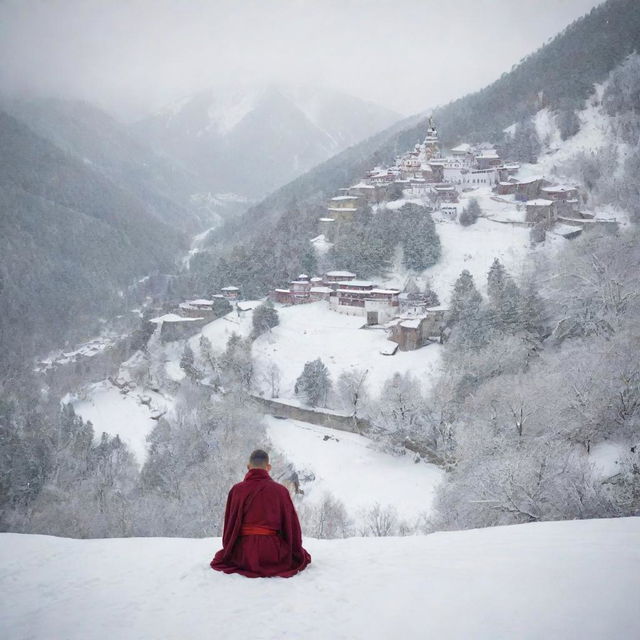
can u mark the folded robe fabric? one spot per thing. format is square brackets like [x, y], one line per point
[259, 501]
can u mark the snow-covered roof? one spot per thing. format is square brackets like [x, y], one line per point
[491, 153]
[362, 185]
[327, 220]
[172, 317]
[321, 290]
[558, 188]
[317, 278]
[341, 274]
[229, 289]
[358, 283]
[338, 209]
[345, 198]
[539, 202]
[414, 323]
[200, 302]
[465, 147]
[438, 308]
[283, 290]
[386, 291]
[302, 276]
[530, 179]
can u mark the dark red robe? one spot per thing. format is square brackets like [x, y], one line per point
[259, 500]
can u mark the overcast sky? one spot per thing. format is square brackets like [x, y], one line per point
[133, 56]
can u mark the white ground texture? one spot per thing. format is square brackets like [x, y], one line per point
[310, 331]
[348, 466]
[564, 580]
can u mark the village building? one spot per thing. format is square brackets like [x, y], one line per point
[449, 210]
[342, 208]
[430, 146]
[487, 159]
[334, 278]
[317, 293]
[445, 192]
[381, 305]
[480, 177]
[504, 188]
[174, 327]
[559, 192]
[369, 193]
[507, 170]
[463, 153]
[413, 332]
[540, 211]
[529, 188]
[437, 169]
[230, 293]
[197, 308]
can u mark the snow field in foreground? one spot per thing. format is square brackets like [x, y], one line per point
[564, 580]
[348, 466]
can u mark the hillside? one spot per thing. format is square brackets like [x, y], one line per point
[252, 140]
[569, 580]
[591, 47]
[108, 147]
[71, 240]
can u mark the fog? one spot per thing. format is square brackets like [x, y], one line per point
[132, 57]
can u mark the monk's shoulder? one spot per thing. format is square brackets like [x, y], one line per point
[280, 489]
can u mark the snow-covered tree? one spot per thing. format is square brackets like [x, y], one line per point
[470, 213]
[265, 317]
[314, 383]
[188, 363]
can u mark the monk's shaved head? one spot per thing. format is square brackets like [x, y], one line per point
[259, 458]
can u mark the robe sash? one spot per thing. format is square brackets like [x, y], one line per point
[257, 530]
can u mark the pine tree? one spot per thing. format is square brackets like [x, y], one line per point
[470, 213]
[265, 317]
[495, 281]
[314, 383]
[532, 310]
[504, 299]
[188, 363]
[466, 299]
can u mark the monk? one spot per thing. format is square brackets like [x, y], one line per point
[261, 536]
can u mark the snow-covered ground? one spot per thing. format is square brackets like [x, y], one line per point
[566, 580]
[349, 467]
[311, 331]
[112, 412]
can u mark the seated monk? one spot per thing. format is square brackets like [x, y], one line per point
[261, 536]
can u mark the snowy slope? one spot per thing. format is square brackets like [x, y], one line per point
[311, 331]
[349, 467]
[554, 580]
[114, 413]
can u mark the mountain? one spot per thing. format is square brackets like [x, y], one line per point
[71, 240]
[108, 147]
[253, 140]
[576, 579]
[559, 77]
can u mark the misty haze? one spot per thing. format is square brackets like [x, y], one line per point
[319, 319]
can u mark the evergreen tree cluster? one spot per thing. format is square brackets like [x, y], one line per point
[470, 213]
[264, 318]
[366, 245]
